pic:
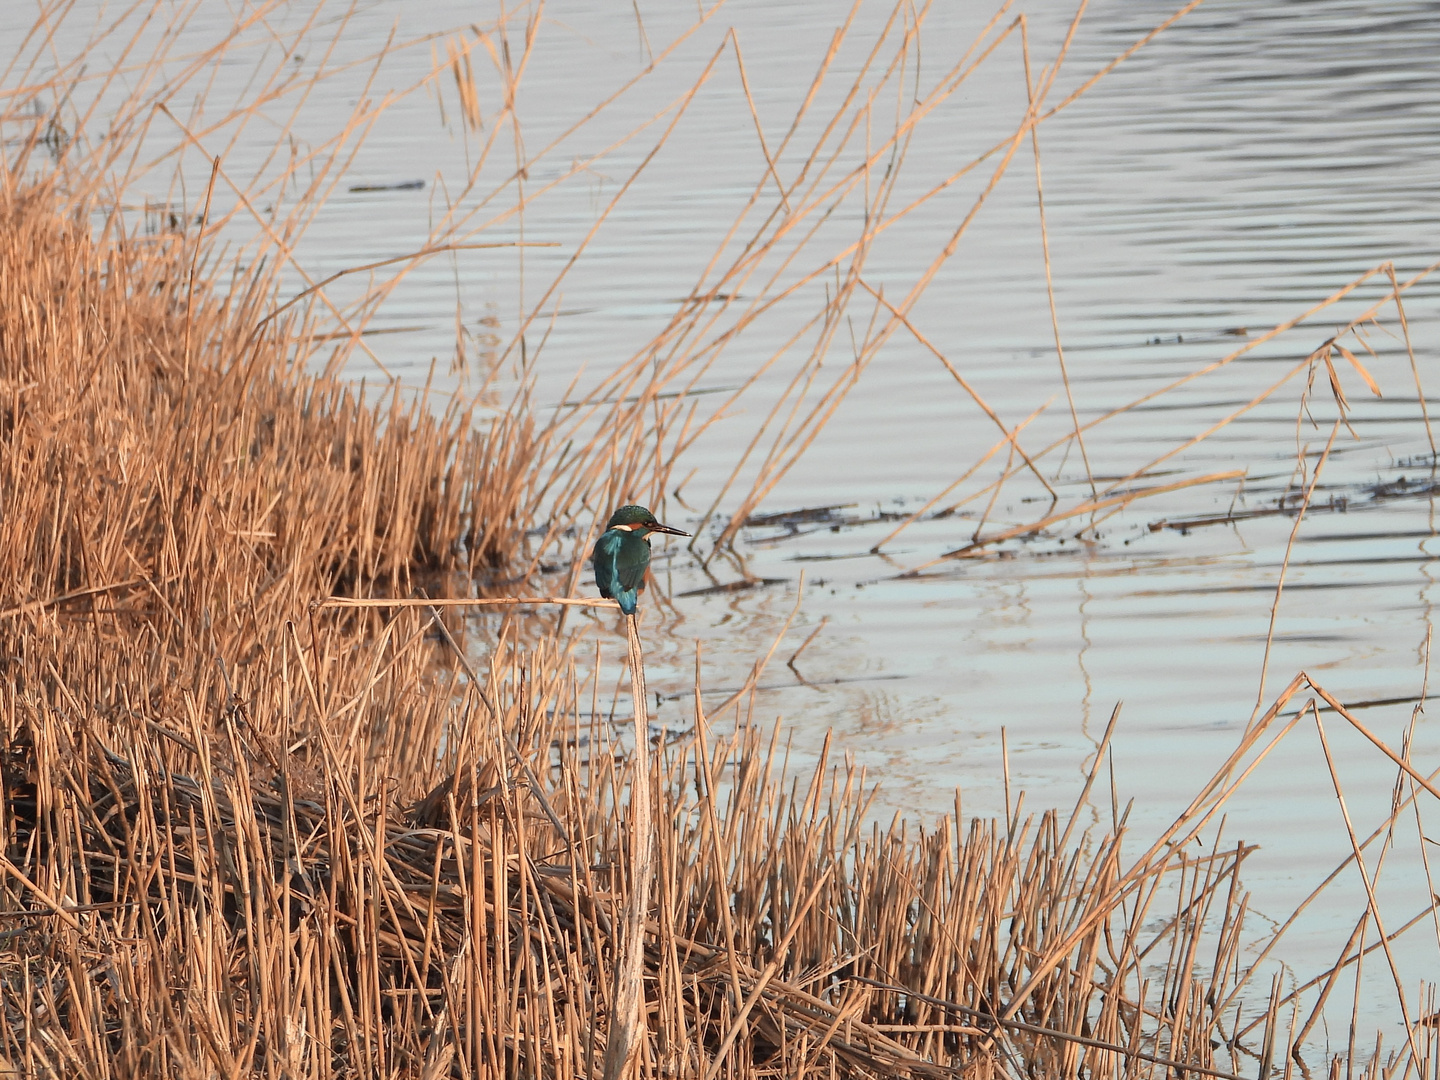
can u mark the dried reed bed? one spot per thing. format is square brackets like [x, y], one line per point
[217, 922]
[244, 836]
[180, 446]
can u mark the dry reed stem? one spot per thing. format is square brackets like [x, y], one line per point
[1373, 907]
[1010, 435]
[468, 601]
[1285, 563]
[1030, 92]
[1086, 507]
[623, 1039]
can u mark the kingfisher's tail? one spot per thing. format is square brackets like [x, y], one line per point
[628, 599]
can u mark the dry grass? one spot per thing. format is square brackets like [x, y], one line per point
[246, 834]
[247, 837]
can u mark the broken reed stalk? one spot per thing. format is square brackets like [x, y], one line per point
[626, 1024]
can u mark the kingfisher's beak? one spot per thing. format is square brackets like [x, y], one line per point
[657, 527]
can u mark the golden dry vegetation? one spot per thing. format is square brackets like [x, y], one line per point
[249, 832]
[247, 836]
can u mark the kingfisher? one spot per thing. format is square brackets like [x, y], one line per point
[622, 554]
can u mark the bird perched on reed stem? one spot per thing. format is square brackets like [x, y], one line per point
[623, 552]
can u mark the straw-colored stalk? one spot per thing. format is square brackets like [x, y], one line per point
[629, 994]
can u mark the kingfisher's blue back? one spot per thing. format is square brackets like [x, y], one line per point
[620, 561]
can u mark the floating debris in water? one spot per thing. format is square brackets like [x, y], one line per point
[741, 585]
[795, 517]
[403, 185]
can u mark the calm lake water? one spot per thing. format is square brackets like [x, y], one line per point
[1254, 159]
